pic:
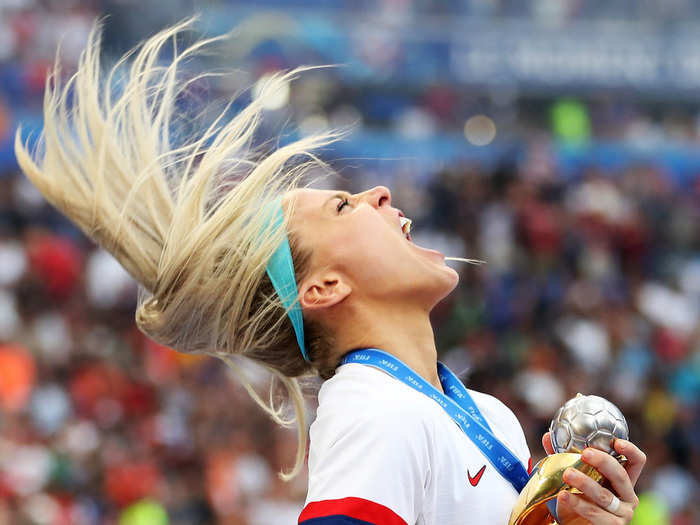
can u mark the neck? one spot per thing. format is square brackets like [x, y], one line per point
[404, 333]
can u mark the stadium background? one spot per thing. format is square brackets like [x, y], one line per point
[556, 139]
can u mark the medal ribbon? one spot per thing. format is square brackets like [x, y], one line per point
[458, 404]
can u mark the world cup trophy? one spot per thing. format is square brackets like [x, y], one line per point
[583, 421]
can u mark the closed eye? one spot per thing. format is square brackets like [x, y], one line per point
[342, 204]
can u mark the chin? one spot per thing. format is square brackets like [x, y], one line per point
[444, 285]
[453, 280]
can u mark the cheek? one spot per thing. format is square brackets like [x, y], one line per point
[380, 261]
[364, 233]
[369, 253]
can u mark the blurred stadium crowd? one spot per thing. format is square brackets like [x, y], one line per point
[587, 211]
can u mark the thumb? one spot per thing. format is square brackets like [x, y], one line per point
[547, 443]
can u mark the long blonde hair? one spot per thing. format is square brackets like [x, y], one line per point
[176, 212]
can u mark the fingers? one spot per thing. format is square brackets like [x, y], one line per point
[547, 444]
[635, 458]
[568, 504]
[597, 494]
[593, 504]
[615, 473]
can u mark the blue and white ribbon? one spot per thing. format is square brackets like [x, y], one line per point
[458, 404]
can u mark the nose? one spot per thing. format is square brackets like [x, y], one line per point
[377, 196]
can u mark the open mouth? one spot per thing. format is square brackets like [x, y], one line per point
[406, 227]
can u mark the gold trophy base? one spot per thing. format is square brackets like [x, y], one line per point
[544, 485]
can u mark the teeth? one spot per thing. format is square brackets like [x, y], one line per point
[405, 225]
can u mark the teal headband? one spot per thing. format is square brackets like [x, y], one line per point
[280, 269]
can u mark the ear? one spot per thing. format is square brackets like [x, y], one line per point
[323, 291]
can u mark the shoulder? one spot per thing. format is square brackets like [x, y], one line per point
[370, 445]
[503, 422]
[370, 391]
[363, 399]
[494, 408]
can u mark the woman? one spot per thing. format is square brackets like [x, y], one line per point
[235, 258]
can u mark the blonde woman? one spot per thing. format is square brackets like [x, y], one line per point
[235, 258]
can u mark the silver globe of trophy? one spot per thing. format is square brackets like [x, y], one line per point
[584, 421]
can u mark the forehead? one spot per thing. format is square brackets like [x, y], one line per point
[309, 219]
[308, 202]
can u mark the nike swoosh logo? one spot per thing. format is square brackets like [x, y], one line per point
[475, 480]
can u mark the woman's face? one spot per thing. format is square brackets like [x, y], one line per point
[359, 238]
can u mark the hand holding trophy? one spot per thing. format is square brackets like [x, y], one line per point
[584, 421]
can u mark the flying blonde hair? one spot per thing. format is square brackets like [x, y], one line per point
[176, 212]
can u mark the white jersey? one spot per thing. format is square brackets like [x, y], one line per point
[384, 453]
